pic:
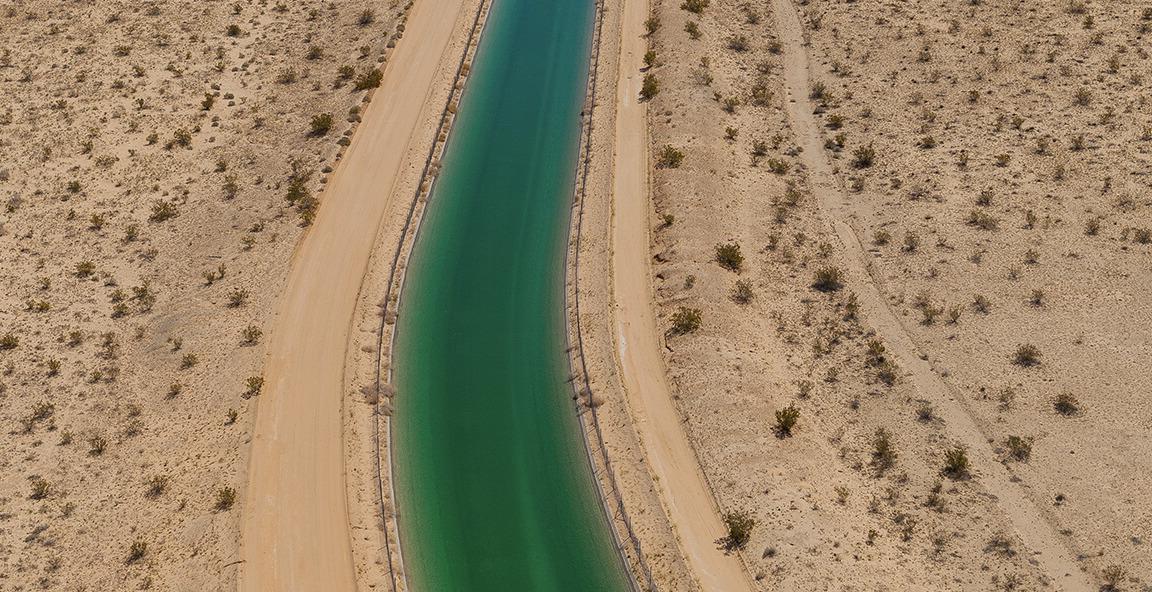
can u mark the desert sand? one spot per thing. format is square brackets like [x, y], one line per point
[874, 275]
[152, 206]
[888, 296]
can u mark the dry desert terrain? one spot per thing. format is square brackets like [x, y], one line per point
[902, 253]
[159, 162]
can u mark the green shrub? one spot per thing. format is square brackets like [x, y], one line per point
[729, 257]
[225, 499]
[1019, 448]
[739, 524]
[1066, 404]
[694, 6]
[1027, 355]
[368, 80]
[828, 279]
[321, 124]
[685, 320]
[883, 452]
[669, 157]
[786, 419]
[956, 462]
[649, 88]
[863, 156]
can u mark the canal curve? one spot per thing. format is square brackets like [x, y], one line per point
[495, 491]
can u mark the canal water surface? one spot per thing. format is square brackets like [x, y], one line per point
[494, 489]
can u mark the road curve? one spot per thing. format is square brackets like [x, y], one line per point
[295, 527]
[683, 489]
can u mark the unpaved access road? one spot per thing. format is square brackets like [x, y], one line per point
[684, 491]
[296, 532]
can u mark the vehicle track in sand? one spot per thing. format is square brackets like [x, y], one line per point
[296, 533]
[1036, 531]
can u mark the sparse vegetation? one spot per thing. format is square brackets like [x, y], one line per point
[739, 525]
[786, 419]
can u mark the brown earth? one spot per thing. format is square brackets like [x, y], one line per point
[147, 151]
[755, 110]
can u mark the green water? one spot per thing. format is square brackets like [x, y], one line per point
[495, 492]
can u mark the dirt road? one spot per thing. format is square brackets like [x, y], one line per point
[683, 489]
[296, 531]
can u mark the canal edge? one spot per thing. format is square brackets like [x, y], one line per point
[386, 329]
[627, 542]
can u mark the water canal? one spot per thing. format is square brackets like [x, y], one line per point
[494, 489]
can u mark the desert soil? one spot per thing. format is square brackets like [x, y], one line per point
[147, 154]
[1004, 204]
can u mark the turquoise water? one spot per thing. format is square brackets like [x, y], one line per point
[495, 492]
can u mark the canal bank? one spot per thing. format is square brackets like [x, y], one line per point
[494, 486]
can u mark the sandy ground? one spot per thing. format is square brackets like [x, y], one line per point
[145, 156]
[297, 530]
[897, 343]
[684, 492]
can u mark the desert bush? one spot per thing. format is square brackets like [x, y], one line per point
[669, 157]
[828, 279]
[777, 166]
[233, 31]
[982, 220]
[739, 525]
[738, 43]
[693, 29]
[1113, 576]
[911, 242]
[137, 551]
[981, 303]
[1026, 355]
[881, 238]
[1019, 448]
[863, 156]
[225, 499]
[365, 18]
[163, 210]
[1082, 97]
[369, 80]
[956, 462]
[925, 412]
[321, 124]
[729, 257]
[650, 87]
[883, 452]
[182, 138]
[685, 320]
[694, 6]
[742, 292]
[40, 488]
[9, 341]
[786, 419]
[253, 385]
[652, 24]
[250, 335]
[157, 485]
[1066, 404]
[97, 444]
